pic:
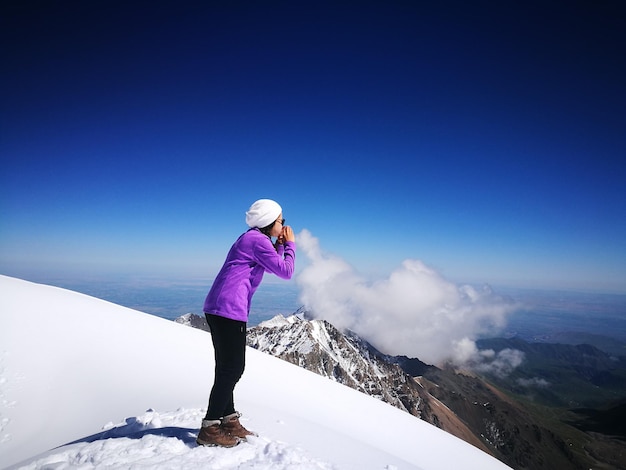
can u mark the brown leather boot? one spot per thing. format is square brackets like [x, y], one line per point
[232, 426]
[212, 434]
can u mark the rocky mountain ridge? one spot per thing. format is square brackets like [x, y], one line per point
[319, 347]
[458, 402]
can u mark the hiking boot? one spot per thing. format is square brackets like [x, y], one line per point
[232, 426]
[212, 434]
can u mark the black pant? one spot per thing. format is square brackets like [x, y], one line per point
[229, 342]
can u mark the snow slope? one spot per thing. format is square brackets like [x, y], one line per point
[71, 366]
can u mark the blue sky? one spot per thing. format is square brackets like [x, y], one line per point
[487, 139]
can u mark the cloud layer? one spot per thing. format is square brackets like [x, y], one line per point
[414, 312]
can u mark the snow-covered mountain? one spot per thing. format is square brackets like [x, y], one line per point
[460, 403]
[318, 346]
[346, 358]
[73, 366]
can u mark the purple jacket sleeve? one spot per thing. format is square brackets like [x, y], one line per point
[281, 263]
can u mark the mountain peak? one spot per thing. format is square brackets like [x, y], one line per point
[279, 320]
[318, 346]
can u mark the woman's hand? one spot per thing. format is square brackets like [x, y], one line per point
[287, 235]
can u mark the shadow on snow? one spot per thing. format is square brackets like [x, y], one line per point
[136, 429]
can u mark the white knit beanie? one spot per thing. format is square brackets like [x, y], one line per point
[262, 213]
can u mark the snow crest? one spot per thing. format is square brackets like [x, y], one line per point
[71, 362]
[167, 441]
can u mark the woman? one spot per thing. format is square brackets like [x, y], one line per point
[227, 307]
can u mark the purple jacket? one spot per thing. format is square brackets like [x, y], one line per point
[250, 256]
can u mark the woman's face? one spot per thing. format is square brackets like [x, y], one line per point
[278, 226]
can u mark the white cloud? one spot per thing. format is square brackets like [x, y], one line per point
[501, 364]
[534, 382]
[413, 312]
